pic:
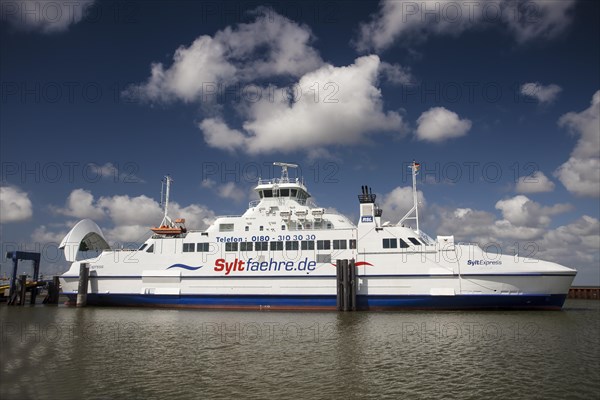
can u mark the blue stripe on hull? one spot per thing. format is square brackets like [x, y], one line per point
[315, 302]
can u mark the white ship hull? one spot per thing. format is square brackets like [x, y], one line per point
[544, 285]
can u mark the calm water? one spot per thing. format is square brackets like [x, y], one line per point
[109, 353]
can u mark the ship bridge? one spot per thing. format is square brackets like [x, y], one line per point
[284, 204]
[283, 188]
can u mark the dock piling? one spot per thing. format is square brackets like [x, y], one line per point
[22, 289]
[53, 291]
[84, 273]
[346, 284]
[353, 285]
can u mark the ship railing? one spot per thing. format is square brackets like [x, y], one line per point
[304, 202]
[307, 202]
[474, 244]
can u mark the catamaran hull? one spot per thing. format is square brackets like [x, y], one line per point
[318, 293]
[325, 302]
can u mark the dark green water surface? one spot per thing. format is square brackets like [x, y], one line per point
[129, 353]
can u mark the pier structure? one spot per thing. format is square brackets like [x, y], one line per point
[18, 293]
[584, 292]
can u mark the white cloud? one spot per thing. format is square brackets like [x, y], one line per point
[504, 229]
[521, 211]
[228, 190]
[196, 216]
[522, 219]
[465, 223]
[271, 45]
[406, 22]
[543, 94]
[348, 108]
[217, 134]
[575, 245]
[125, 210]
[534, 183]
[208, 183]
[42, 235]
[396, 204]
[581, 176]
[542, 19]
[15, 205]
[581, 173]
[396, 74]
[123, 234]
[232, 192]
[320, 154]
[80, 204]
[438, 124]
[46, 16]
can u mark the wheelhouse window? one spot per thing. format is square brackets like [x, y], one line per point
[323, 244]
[415, 241]
[267, 193]
[284, 192]
[188, 247]
[277, 246]
[307, 245]
[390, 243]
[150, 249]
[339, 245]
[202, 247]
[403, 244]
[261, 246]
[232, 246]
[143, 247]
[353, 243]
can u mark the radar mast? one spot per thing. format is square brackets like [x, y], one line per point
[284, 170]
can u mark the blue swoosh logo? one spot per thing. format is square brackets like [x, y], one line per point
[185, 267]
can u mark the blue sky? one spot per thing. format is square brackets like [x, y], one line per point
[498, 101]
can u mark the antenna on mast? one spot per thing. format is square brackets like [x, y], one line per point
[415, 166]
[167, 227]
[164, 199]
[284, 170]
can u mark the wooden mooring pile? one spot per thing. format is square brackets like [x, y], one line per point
[347, 285]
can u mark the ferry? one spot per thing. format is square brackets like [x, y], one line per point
[283, 252]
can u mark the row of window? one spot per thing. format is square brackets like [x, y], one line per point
[191, 247]
[300, 194]
[275, 245]
[294, 225]
[392, 243]
[388, 243]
